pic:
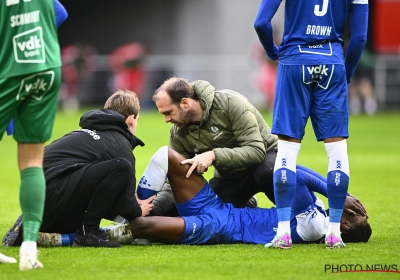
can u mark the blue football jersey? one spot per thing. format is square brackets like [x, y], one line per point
[315, 27]
[313, 30]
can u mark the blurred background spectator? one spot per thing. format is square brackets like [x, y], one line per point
[264, 77]
[79, 65]
[126, 63]
[361, 89]
[210, 40]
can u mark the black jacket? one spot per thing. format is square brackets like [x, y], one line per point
[104, 136]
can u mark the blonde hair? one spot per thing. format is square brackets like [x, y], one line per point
[124, 102]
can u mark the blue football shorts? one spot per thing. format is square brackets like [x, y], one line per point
[208, 220]
[206, 217]
[316, 91]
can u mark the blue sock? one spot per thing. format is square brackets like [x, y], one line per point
[337, 181]
[337, 184]
[284, 190]
[284, 214]
[67, 239]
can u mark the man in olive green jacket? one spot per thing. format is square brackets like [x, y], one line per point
[220, 128]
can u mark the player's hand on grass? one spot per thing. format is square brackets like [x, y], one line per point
[146, 204]
[354, 206]
[200, 163]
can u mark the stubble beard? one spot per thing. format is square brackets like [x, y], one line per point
[185, 119]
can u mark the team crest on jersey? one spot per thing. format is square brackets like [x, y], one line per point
[29, 46]
[36, 85]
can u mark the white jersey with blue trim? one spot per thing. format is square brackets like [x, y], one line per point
[312, 224]
[313, 30]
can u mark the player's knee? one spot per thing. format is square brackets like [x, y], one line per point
[174, 160]
[160, 159]
[173, 155]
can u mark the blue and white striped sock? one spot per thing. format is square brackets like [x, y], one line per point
[337, 183]
[285, 183]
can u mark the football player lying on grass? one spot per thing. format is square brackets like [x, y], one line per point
[205, 219]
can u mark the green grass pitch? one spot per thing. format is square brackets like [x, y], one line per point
[374, 152]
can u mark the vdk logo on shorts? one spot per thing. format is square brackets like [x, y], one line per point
[320, 74]
[36, 85]
[29, 46]
[319, 70]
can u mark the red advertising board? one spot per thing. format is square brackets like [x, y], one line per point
[386, 25]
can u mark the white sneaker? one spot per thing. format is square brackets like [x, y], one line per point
[29, 261]
[5, 259]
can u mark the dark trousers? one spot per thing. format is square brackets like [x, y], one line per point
[105, 190]
[258, 179]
